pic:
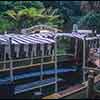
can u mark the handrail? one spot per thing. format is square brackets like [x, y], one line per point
[95, 69]
[27, 66]
[16, 60]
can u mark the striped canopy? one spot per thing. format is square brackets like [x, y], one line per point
[25, 39]
[78, 35]
[40, 38]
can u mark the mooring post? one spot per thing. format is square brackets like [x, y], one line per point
[90, 87]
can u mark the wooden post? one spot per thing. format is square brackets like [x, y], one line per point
[90, 88]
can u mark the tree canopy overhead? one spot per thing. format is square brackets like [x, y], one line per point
[15, 15]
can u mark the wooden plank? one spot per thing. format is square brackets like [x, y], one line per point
[71, 91]
[66, 92]
[53, 96]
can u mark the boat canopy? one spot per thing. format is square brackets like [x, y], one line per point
[78, 35]
[25, 39]
[42, 38]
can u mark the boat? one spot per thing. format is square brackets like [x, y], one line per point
[81, 90]
[41, 56]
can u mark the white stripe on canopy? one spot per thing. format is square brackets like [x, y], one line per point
[38, 39]
[44, 39]
[25, 39]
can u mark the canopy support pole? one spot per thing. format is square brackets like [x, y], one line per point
[32, 54]
[11, 62]
[52, 57]
[76, 42]
[56, 76]
[84, 52]
[42, 56]
[4, 58]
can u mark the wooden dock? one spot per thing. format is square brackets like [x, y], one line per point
[75, 92]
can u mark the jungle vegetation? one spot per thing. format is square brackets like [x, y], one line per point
[16, 15]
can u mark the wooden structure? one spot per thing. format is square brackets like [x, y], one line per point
[78, 91]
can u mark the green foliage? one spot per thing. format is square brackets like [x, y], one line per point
[5, 25]
[66, 10]
[28, 17]
[15, 15]
[90, 21]
[17, 5]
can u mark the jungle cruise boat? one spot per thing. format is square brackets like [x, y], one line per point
[33, 65]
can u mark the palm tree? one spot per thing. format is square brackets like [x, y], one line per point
[36, 16]
[18, 17]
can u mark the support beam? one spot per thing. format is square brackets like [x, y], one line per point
[56, 76]
[4, 57]
[76, 45]
[84, 57]
[32, 54]
[42, 60]
[11, 62]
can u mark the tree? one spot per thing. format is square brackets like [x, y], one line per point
[68, 11]
[28, 17]
[5, 25]
[90, 21]
[16, 5]
[19, 16]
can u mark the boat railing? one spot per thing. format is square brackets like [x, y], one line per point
[23, 59]
[26, 62]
